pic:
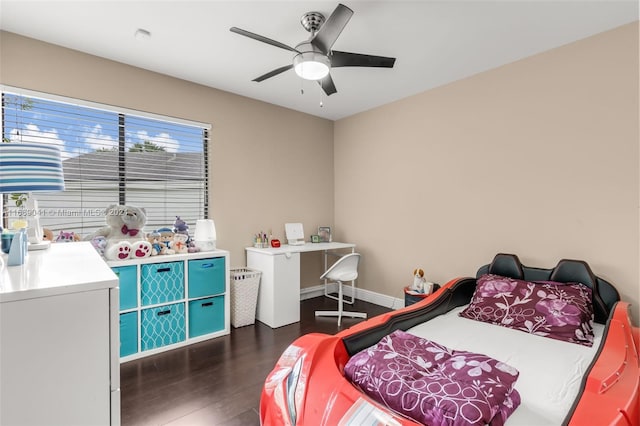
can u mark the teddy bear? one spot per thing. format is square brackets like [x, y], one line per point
[123, 233]
[180, 243]
[181, 227]
[166, 240]
[47, 235]
[156, 246]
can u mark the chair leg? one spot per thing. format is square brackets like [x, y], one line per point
[353, 294]
[341, 312]
[349, 301]
[339, 302]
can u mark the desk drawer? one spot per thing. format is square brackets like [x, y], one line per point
[161, 282]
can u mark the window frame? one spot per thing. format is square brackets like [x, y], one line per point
[122, 113]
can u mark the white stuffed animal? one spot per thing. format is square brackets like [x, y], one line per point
[180, 243]
[123, 233]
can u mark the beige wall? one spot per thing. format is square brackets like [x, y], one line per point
[245, 198]
[538, 158]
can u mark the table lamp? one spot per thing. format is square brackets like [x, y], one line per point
[28, 168]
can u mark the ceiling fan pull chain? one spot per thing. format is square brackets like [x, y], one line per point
[321, 96]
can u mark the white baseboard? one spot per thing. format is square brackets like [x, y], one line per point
[361, 294]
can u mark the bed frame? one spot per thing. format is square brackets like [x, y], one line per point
[609, 393]
[604, 296]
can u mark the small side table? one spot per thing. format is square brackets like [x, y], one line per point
[410, 297]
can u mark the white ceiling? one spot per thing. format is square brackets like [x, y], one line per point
[435, 42]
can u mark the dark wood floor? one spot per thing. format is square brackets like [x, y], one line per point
[218, 382]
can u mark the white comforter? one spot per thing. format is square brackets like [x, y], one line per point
[551, 371]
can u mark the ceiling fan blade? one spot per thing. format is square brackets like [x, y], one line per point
[327, 85]
[348, 59]
[261, 38]
[331, 29]
[273, 73]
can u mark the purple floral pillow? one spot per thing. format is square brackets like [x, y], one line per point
[554, 310]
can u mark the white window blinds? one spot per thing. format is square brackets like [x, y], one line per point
[111, 157]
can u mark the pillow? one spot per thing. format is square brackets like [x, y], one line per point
[433, 384]
[561, 311]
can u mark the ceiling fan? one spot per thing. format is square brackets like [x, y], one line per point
[314, 58]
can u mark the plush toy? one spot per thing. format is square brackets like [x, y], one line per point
[420, 284]
[123, 233]
[166, 240]
[180, 243]
[191, 246]
[156, 246]
[67, 237]
[99, 243]
[47, 234]
[180, 226]
[418, 280]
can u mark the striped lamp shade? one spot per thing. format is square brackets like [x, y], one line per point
[30, 167]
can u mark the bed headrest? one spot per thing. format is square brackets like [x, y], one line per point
[604, 294]
[574, 271]
[578, 271]
[507, 265]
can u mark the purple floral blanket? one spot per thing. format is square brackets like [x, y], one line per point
[435, 385]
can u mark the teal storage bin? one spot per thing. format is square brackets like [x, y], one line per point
[128, 286]
[206, 316]
[128, 333]
[206, 277]
[161, 282]
[162, 326]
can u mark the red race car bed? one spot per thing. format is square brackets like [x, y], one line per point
[515, 345]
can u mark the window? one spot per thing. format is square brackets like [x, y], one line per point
[111, 157]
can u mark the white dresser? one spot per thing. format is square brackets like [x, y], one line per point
[59, 339]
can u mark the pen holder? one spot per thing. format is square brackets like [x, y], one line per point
[261, 240]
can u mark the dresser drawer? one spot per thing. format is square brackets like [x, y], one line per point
[128, 286]
[206, 316]
[206, 277]
[162, 325]
[161, 282]
[128, 333]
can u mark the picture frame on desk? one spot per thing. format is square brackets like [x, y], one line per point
[324, 232]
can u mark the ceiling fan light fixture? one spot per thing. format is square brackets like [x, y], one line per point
[311, 65]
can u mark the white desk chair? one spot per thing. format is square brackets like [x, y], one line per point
[345, 269]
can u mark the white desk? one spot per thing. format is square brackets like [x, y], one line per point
[279, 293]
